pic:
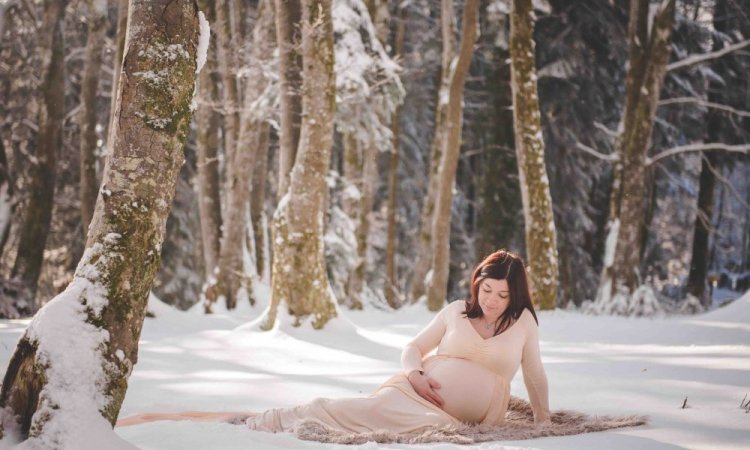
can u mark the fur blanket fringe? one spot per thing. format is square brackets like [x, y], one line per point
[519, 424]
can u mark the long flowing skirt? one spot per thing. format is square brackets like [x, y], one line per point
[471, 394]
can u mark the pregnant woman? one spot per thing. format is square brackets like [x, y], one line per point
[480, 344]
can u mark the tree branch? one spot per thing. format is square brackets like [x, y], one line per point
[707, 104]
[612, 157]
[698, 147]
[701, 57]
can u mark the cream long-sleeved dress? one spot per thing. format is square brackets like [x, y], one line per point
[474, 375]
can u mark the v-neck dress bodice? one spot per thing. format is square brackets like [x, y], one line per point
[474, 374]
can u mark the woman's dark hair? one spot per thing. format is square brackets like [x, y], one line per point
[502, 265]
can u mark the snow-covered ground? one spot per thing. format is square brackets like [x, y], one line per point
[597, 365]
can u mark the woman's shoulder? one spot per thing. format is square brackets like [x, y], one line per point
[454, 308]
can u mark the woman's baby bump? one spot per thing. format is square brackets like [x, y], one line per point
[465, 386]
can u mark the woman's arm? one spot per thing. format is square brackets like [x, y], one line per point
[423, 343]
[534, 376]
[411, 358]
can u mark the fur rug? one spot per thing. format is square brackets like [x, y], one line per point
[519, 424]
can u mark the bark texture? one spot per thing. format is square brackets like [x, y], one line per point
[437, 288]
[541, 242]
[106, 302]
[649, 50]
[299, 277]
[36, 222]
[97, 22]
[288, 37]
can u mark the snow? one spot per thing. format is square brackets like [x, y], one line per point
[595, 364]
[203, 41]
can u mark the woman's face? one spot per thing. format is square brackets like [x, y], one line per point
[494, 297]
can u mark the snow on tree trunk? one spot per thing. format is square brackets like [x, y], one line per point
[288, 17]
[232, 274]
[390, 248]
[67, 399]
[299, 279]
[541, 243]
[649, 51]
[425, 238]
[38, 217]
[97, 21]
[437, 288]
[207, 143]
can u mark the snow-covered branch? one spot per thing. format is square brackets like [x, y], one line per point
[699, 147]
[707, 104]
[702, 57]
[612, 157]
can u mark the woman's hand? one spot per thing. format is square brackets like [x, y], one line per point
[425, 387]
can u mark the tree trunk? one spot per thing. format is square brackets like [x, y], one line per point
[97, 21]
[390, 248]
[709, 162]
[299, 276]
[441, 221]
[207, 143]
[36, 223]
[7, 203]
[101, 312]
[122, 26]
[232, 275]
[226, 46]
[649, 52]
[425, 238]
[288, 17]
[541, 243]
[366, 201]
[257, 201]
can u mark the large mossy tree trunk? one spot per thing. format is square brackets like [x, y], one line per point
[437, 287]
[288, 37]
[541, 242]
[61, 397]
[37, 220]
[299, 279]
[424, 243]
[649, 47]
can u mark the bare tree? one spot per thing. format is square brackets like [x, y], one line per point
[36, 223]
[649, 43]
[299, 279]
[541, 242]
[101, 312]
[390, 249]
[97, 27]
[288, 17]
[437, 287]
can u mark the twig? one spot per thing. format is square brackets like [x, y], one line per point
[684, 404]
[698, 147]
[707, 104]
[612, 157]
[699, 58]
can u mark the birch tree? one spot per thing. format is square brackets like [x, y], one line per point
[649, 48]
[299, 280]
[450, 143]
[541, 243]
[50, 394]
[36, 222]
